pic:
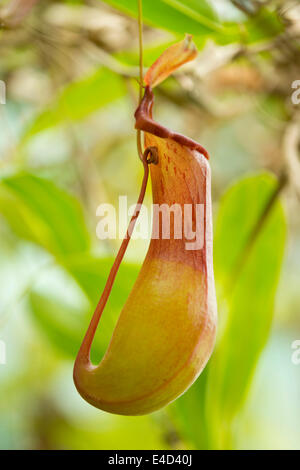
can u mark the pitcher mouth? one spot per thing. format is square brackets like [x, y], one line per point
[145, 122]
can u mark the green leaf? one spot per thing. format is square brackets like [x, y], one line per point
[198, 18]
[202, 8]
[250, 299]
[180, 16]
[39, 211]
[66, 326]
[265, 25]
[91, 274]
[78, 100]
[241, 206]
[63, 325]
[188, 414]
[205, 413]
[105, 431]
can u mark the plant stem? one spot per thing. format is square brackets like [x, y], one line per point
[83, 356]
[140, 22]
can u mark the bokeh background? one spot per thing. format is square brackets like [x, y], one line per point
[67, 144]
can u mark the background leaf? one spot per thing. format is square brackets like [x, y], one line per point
[91, 275]
[78, 100]
[198, 18]
[39, 211]
[178, 16]
[250, 299]
[65, 325]
[246, 313]
[188, 413]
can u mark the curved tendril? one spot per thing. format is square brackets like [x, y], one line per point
[149, 156]
[84, 351]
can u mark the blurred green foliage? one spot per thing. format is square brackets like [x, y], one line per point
[69, 146]
[78, 100]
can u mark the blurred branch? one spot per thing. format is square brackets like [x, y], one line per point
[107, 60]
[13, 14]
[247, 6]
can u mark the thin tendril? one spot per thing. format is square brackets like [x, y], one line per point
[83, 356]
[140, 22]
